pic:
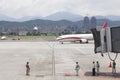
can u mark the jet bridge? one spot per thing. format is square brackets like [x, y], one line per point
[107, 40]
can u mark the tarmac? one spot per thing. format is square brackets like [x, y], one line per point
[50, 60]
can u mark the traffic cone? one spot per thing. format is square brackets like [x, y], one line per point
[67, 74]
[110, 65]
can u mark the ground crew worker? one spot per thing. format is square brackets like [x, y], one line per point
[77, 67]
[27, 69]
[98, 67]
[93, 69]
[114, 67]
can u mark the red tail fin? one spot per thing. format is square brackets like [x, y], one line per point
[105, 25]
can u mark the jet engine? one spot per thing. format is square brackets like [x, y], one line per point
[83, 41]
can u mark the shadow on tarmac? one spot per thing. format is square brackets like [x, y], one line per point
[109, 74]
[64, 43]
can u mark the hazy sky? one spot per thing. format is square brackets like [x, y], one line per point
[21, 8]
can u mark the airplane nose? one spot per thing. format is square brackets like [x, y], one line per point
[57, 38]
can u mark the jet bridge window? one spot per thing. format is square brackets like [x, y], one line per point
[115, 39]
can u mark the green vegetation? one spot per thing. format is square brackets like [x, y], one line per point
[28, 37]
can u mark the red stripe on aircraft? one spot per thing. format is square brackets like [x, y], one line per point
[69, 38]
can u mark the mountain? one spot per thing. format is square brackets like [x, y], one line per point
[49, 26]
[63, 16]
[26, 18]
[5, 18]
[58, 16]
[50, 23]
[112, 17]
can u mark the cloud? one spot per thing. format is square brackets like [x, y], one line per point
[21, 8]
[101, 7]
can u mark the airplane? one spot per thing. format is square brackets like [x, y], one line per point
[3, 38]
[75, 37]
[78, 37]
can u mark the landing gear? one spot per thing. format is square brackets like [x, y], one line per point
[80, 41]
[87, 41]
[61, 42]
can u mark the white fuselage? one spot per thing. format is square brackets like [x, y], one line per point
[75, 37]
[3, 38]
